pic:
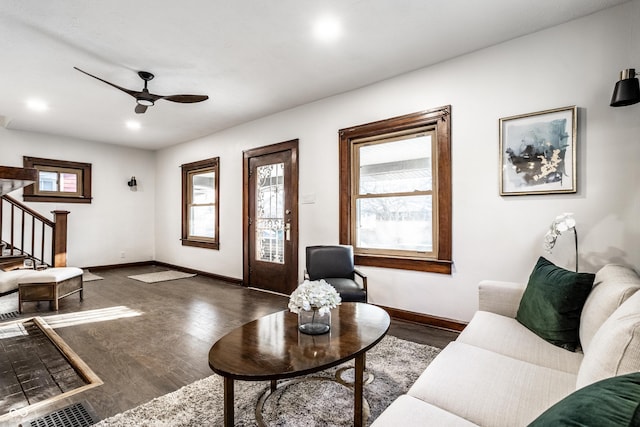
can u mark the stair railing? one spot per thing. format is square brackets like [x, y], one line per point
[27, 232]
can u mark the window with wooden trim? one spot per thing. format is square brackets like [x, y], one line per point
[200, 203]
[395, 191]
[58, 181]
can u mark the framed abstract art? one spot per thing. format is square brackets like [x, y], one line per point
[538, 152]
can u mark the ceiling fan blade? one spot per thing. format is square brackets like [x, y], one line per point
[140, 109]
[185, 99]
[130, 92]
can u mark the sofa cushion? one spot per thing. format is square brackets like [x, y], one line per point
[552, 303]
[409, 411]
[505, 335]
[615, 348]
[612, 286]
[490, 389]
[610, 402]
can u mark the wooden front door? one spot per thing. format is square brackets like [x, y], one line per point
[270, 207]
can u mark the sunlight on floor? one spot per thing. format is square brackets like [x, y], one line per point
[90, 316]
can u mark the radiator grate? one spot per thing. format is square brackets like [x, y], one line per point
[72, 416]
[10, 315]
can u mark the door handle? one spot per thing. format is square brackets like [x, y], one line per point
[287, 231]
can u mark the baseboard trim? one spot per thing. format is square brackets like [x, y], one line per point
[409, 316]
[232, 280]
[425, 319]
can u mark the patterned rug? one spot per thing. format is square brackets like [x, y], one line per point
[395, 364]
[161, 276]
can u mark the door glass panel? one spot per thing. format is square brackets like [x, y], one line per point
[270, 213]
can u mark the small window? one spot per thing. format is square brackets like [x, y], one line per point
[200, 203]
[59, 181]
[395, 191]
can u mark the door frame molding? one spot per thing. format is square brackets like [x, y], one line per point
[291, 145]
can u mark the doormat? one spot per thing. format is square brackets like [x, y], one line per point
[88, 276]
[43, 368]
[161, 276]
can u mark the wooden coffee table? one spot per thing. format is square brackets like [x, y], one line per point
[270, 349]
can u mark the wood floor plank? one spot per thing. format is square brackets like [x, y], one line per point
[165, 345]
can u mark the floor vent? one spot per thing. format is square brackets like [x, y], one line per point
[11, 315]
[72, 416]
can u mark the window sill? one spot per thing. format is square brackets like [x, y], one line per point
[200, 244]
[56, 199]
[430, 265]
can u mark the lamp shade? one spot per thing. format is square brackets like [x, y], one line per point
[627, 89]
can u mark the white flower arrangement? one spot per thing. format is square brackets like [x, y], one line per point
[562, 223]
[317, 294]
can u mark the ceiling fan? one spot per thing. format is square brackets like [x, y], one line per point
[146, 99]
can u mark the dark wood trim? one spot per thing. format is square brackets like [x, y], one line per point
[54, 199]
[59, 255]
[29, 210]
[187, 168]
[429, 265]
[12, 178]
[111, 266]
[441, 119]
[291, 145]
[425, 319]
[231, 280]
[30, 194]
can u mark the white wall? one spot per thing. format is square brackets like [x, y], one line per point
[493, 237]
[118, 219]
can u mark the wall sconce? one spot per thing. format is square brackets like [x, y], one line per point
[133, 184]
[627, 90]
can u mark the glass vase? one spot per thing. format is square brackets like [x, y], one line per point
[312, 322]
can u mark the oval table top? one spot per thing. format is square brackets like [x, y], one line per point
[272, 348]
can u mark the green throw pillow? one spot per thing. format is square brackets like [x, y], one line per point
[607, 403]
[552, 303]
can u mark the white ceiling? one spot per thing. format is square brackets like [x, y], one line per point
[252, 57]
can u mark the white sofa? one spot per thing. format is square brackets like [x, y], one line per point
[499, 373]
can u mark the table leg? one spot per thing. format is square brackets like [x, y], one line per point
[228, 402]
[358, 407]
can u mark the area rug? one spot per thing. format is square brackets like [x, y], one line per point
[395, 364]
[88, 276]
[161, 276]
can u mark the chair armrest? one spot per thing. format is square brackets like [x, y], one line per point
[362, 276]
[500, 297]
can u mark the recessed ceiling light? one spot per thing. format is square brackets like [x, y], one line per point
[35, 104]
[133, 125]
[327, 29]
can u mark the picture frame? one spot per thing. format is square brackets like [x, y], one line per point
[538, 152]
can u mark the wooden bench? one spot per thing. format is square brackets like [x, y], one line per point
[50, 285]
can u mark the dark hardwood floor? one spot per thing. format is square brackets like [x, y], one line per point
[146, 340]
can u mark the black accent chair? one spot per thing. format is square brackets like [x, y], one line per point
[335, 265]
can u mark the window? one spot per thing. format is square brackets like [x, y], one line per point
[395, 186]
[58, 181]
[200, 203]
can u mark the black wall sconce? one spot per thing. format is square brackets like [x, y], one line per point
[627, 89]
[133, 184]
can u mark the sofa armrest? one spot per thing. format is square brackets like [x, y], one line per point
[500, 297]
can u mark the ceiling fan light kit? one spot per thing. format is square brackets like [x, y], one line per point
[144, 98]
